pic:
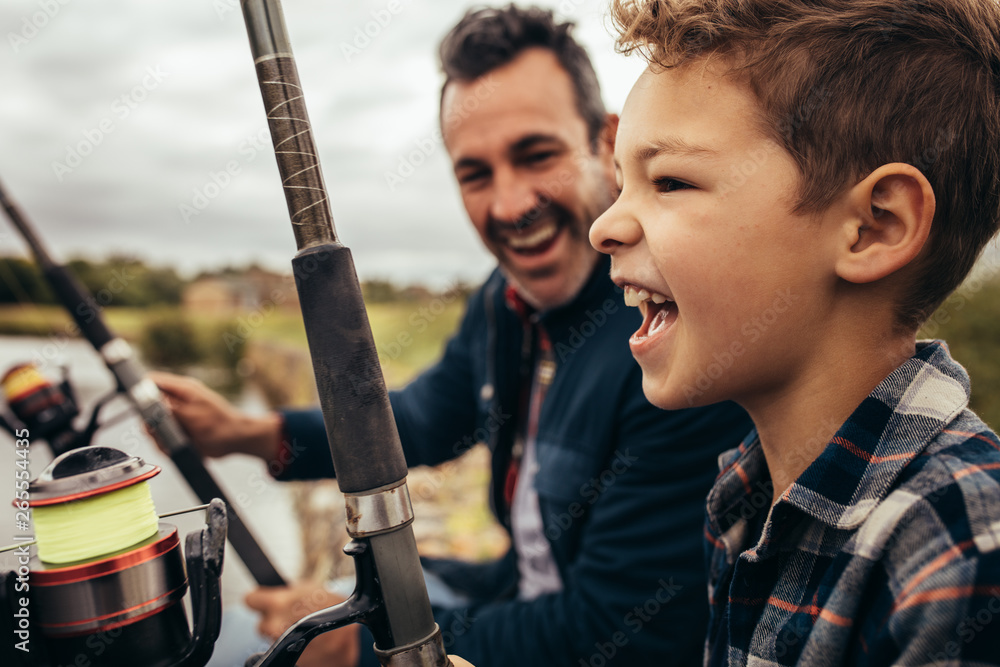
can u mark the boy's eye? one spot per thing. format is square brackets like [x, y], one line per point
[667, 184]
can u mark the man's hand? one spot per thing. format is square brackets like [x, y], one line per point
[217, 428]
[283, 606]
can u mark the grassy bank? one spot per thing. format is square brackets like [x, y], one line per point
[17, 320]
[408, 335]
[411, 335]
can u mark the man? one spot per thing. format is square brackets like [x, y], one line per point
[603, 494]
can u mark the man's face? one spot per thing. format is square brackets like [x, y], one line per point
[734, 286]
[529, 180]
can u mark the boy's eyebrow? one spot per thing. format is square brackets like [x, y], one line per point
[672, 146]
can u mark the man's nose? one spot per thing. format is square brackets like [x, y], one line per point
[515, 196]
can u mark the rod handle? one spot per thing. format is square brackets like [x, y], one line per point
[364, 443]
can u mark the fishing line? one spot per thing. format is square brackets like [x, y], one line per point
[97, 526]
[186, 510]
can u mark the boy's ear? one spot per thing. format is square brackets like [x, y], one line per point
[890, 220]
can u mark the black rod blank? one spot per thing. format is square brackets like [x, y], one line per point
[364, 443]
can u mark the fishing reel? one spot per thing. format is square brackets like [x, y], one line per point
[47, 410]
[104, 582]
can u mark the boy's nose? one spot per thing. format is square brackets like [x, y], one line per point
[614, 229]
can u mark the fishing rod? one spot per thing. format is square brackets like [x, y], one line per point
[390, 595]
[145, 396]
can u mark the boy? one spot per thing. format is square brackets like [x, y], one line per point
[802, 184]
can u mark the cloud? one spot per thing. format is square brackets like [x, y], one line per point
[76, 77]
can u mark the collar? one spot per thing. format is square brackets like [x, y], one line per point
[516, 303]
[860, 464]
[595, 291]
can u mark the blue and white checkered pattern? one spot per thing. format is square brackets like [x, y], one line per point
[885, 551]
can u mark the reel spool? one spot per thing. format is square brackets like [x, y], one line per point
[108, 579]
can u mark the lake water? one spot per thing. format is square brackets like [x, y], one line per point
[264, 504]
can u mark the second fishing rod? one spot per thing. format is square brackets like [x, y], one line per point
[130, 377]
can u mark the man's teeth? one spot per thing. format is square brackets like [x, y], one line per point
[536, 237]
[635, 296]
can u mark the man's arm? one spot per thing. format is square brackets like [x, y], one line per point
[435, 410]
[636, 594]
[216, 427]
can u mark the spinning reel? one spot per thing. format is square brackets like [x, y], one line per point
[105, 580]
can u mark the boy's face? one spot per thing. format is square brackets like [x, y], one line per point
[704, 219]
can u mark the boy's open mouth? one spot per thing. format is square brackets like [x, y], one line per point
[658, 311]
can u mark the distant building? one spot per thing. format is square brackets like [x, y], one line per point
[232, 293]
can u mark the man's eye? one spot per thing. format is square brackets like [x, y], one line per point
[472, 177]
[666, 184]
[538, 158]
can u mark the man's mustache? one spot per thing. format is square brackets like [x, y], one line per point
[539, 213]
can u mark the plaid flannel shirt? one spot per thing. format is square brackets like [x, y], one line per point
[886, 551]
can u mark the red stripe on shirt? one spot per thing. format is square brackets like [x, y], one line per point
[715, 543]
[974, 435]
[971, 469]
[871, 458]
[932, 567]
[811, 609]
[952, 593]
[743, 476]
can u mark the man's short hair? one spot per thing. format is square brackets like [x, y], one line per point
[849, 85]
[485, 39]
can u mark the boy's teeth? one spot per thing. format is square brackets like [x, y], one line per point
[635, 296]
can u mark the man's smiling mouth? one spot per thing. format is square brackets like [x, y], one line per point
[532, 240]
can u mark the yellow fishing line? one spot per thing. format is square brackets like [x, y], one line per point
[97, 526]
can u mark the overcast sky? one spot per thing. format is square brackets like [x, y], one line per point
[115, 114]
